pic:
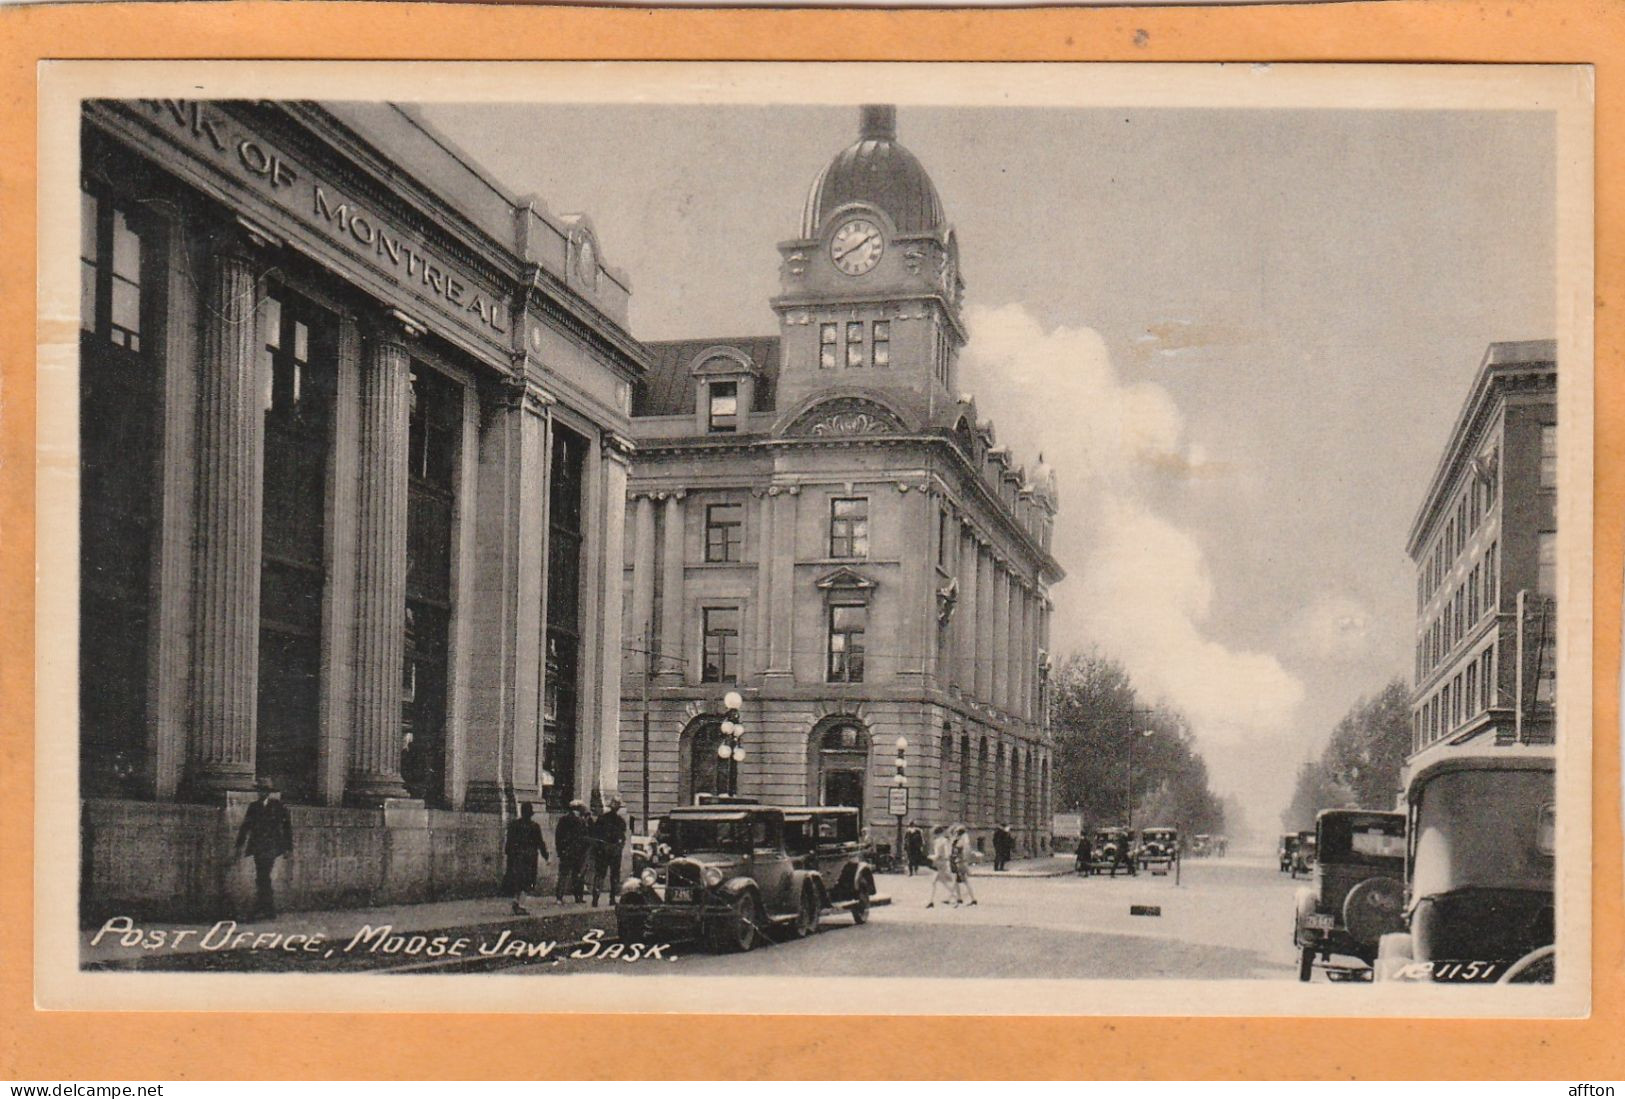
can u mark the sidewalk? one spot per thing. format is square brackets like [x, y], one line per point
[394, 937]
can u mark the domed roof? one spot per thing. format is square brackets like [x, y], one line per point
[877, 170]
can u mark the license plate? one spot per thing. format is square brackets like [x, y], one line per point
[1319, 921]
[680, 895]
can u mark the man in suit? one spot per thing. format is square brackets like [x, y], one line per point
[1003, 842]
[523, 846]
[570, 840]
[266, 835]
[608, 845]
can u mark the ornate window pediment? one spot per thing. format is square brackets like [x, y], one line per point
[846, 579]
[847, 416]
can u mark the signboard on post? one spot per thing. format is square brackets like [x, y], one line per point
[899, 801]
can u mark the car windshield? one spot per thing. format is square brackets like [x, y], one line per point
[1487, 829]
[691, 835]
[1374, 839]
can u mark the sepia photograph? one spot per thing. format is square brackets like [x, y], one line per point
[816, 538]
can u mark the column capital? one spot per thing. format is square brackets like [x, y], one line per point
[524, 393]
[251, 240]
[617, 447]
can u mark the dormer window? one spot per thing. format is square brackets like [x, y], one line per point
[723, 412]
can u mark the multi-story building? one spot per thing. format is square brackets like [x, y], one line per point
[820, 522]
[1485, 547]
[353, 471]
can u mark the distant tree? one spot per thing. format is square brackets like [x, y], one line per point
[1368, 746]
[1316, 789]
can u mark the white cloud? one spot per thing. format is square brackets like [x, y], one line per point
[1333, 627]
[1138, 585]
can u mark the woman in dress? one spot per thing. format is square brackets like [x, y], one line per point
[961, 860]
[942, 861]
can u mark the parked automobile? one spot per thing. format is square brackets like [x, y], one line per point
[720, 873]
[1480, 852]
[1303, 855]
[1288, 847]
[1159, 847]
[827, 838]
[1199, 845]
[1358, 893]
[1111, 850]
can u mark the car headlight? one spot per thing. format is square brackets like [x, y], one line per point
[713, 877]
[647, 877]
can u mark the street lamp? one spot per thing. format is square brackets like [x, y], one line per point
[731, 751]
[1128, 797]
[900, 784]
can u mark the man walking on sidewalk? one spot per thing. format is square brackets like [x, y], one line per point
[608, 844]
[266, 835]
[570, 841]
[914, 847]
[523, 846]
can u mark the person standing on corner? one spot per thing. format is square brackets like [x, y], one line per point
[570, 841]
[266, 835]
[914, 847]
[523, 846]
[1001, 846]
[608, 843]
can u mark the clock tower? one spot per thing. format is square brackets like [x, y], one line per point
[870, 290]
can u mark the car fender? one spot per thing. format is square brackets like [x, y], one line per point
[800, 879]
[1303, 904]
[733, 887]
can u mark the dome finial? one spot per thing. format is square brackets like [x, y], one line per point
[879, 122]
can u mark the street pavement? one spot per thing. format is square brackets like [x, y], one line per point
[1226, 919]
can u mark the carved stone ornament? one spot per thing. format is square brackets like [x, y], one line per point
[846, 416]
[947, 600]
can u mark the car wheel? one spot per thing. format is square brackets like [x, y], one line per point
[860, 910]
[1306, 963]
[807, 912]
[737, 932]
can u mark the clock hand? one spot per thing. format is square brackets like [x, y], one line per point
[846, 252]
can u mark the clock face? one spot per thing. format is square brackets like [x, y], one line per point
[856, 246]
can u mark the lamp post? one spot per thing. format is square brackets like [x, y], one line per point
[1128, 794]
[900, 798]
[731, 751]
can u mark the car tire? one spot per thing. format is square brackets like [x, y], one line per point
[860, 909]
[807, 912]
[1306, 963]
[736, 934]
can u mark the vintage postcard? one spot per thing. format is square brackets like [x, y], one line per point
[816, 538]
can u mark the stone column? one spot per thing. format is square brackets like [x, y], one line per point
[671, 589]
[968, 607]
[1012, 649]
[616, 464]
[380, 590]
[230, 467]
[759, 659]
[781, 621]
[984, 625]
[1000, 649]
[643, 578]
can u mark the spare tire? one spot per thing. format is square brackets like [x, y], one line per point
[1374, 908]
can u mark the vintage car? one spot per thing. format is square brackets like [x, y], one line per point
[1287, 848]
[1358, 894]
[1480, 847]
[1159, 847]
[720, 873]
[828, 839]
[1111, 850]
[1201, 845]
[1303, 855]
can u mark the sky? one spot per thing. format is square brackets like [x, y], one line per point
[1240, 336]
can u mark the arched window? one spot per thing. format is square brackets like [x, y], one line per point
[965, 783]
[1001, 787]
[701, 771]
[839, 767]
[984, 784]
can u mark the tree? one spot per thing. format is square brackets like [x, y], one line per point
[1368, 746]
[1316, 789]
[1096, 713]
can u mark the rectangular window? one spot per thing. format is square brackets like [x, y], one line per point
[1546, 580]
[566, 586]
[1486, 669]
[724, 406]
[1461, 525]
[1472, 689]
[1492, 594]
[847, 622]
[1548, 455]
[724, 531]
[854, 343]
[826, 346]
[880, 349]
[1456, 707]
[1474, 594]
[1461, 612]
[849, 527]
[109, 272]
[945, 536]
[720, 659]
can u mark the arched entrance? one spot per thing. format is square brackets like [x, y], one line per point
[699, 769]
[838, 763]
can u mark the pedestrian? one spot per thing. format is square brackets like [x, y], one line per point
[570, 840]
[609, 842]
[914, 847]
[523, 846]
[962, 855]
[942, 863]
[1002, 843]
[266, 835]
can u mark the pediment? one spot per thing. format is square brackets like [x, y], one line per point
[845, 579]
[847, 416]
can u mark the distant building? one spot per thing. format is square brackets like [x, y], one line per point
[1485, 547]
[353, 468]
[820, 521]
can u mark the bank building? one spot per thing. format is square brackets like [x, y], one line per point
[820, 524]
[354, 457]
